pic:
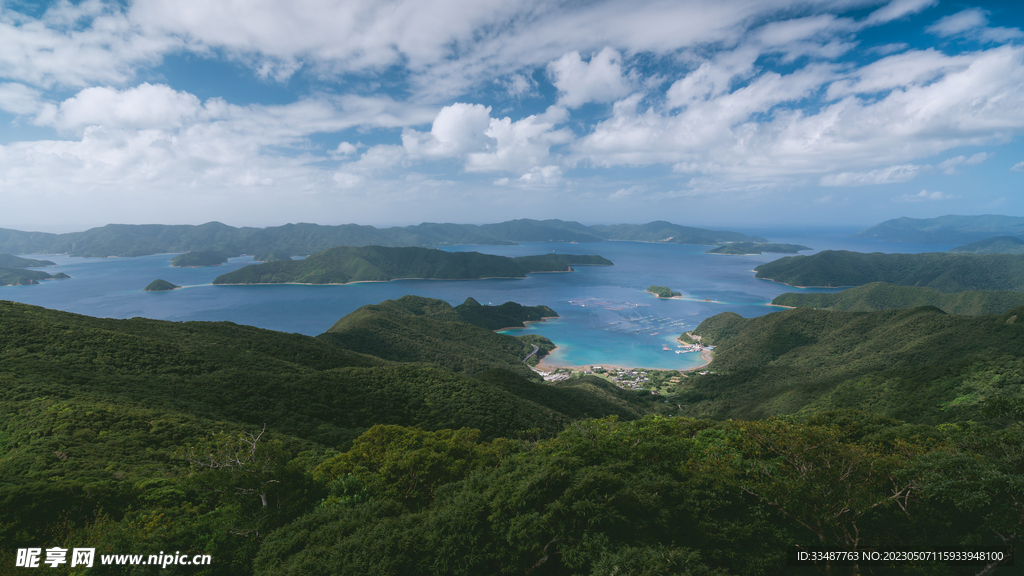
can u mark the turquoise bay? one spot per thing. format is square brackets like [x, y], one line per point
[605, 315]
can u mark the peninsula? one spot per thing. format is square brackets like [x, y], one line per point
[746, 248]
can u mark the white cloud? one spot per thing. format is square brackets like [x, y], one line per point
[887, 175]
[923, 196]
[599, 80]
[145, 106]
[1018, 167]
[898, 9]
[959, 23]
[949, 166]
[19, 99]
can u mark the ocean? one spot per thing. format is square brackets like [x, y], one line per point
[605, 314]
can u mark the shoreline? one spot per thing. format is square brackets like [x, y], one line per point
[705, 355]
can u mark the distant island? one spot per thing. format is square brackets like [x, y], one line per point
[939, 270]
[201, 259]
[663, 291]
[12, 261]
[160, 286]
[22, 277]
[281, 242]
[997, 245]
[745, 248]
[883, 296]
[346, 264]
[949, 229]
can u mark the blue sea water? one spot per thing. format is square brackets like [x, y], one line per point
[605, 315]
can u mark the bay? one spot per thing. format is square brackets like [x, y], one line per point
[605, 315]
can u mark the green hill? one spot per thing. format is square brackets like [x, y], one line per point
[919, 364]
[201, 258]
[949, 229]
[941, 271]
[417, 329]
[159, 286]
[378, 264]
[667, 232]
[663, 291]
[12, 261]
[997, 245]
[882, 296]
[740, 248]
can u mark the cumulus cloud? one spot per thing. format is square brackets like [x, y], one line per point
[923, 196]
[1018, 167]
[19, 99]
[599, 80]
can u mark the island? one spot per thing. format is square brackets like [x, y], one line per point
[950, 229]
[939, 270]
[201, 259]
[22, 277]
[663, 292]
[159, 285]
[12, 261]
[747, 248]
[345, 264]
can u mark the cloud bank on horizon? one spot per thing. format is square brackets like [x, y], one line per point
[752, 112]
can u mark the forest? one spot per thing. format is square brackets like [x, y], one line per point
[346, 453]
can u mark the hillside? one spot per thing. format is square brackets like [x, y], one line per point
[919, 365]
[997, 245]
[941, 271]
[740, 248]
[460, 339]
[281, 454]
[279, 242]
[378, 264]
[881, 296]
[949, 229]
[159, 285]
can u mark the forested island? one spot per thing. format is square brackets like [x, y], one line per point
[432, 449]
[663, 291]
[346, 264]
[744, 248]
[282, 242]
[939, 270]
[882, 296]
[23, 277]
[159, 285]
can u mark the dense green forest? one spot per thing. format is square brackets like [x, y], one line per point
[883, 296]
[739, 248]
[663, 291]
[942, 271]
[949, 229]
[285, 454]
[919, 365]
[281, 242]
[378, 264]
[201, 258]
[997, 245]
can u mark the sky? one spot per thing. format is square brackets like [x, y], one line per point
[743, 113]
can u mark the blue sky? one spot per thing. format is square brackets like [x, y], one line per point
[743, 113]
